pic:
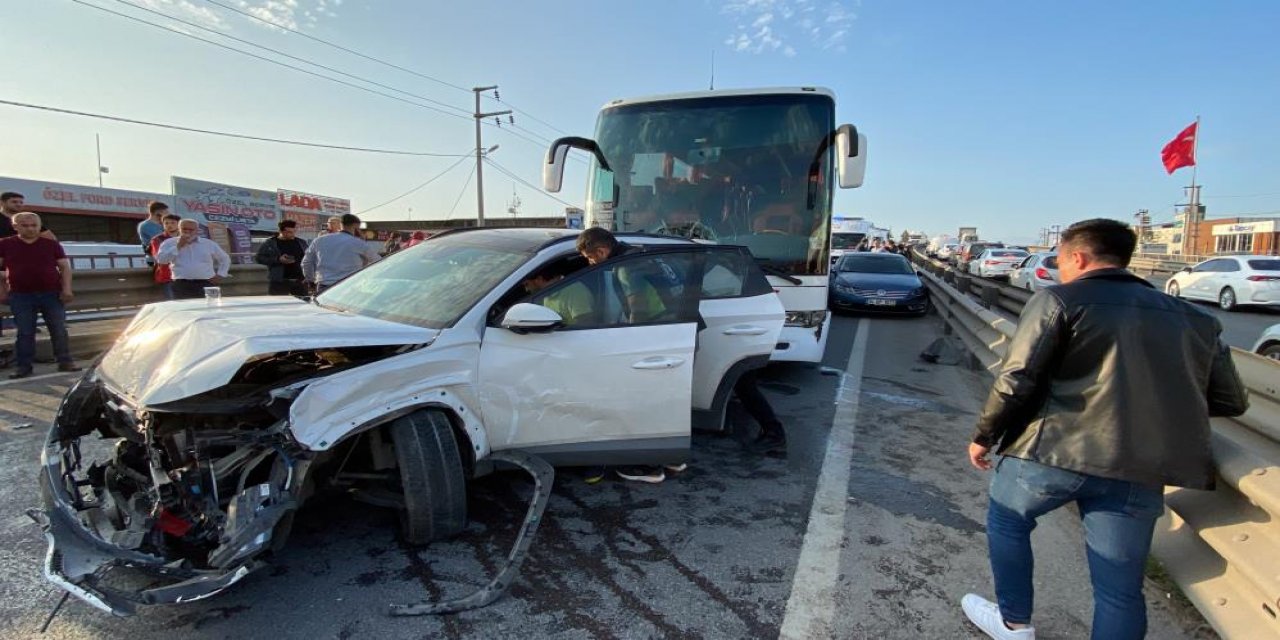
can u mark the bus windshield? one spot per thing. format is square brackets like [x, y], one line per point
[745, 170]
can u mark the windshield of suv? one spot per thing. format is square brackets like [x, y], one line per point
[861, 263]
[735, 170]
[430, 285]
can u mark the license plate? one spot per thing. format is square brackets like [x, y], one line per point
[881, 303]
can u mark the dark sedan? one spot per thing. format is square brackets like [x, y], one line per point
[879, 282]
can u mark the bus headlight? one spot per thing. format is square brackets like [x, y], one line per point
[806, 318]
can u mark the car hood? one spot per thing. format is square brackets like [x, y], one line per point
[174, 350]
[890, 281]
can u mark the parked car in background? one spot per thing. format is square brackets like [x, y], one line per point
[1269, 344]
[397, 383]
[996, 263]
[946, 250]
[879, 282]
[969, 251]
[1037, 271]
[1230, 281]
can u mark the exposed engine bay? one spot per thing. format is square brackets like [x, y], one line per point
[191, 492]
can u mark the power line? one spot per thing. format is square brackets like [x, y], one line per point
[377, 60]
[290, 56]
[461, 193]
[275, 62]
[522, 181]
[226, 134]
[535, 143]
[338, 46]
[535, 119]
[417, 188]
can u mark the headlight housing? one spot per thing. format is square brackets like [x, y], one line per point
[806, 318]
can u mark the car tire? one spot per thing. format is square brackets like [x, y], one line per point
[432, 477]
[1227, 299]
[1173, 290]
[1271, 351]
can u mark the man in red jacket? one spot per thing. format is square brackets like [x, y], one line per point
[37, 280]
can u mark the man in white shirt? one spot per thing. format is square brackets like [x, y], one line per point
[334, 256]
[195, 262]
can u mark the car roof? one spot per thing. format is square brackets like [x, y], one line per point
[535, 239]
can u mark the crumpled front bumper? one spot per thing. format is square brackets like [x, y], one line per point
[79, 560]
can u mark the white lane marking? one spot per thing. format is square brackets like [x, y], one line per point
[7, 382]
[812, 603]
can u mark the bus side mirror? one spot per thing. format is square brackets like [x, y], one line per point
[851, 156]
[553, 168]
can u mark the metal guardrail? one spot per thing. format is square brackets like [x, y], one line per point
[125, 289]
[1222, 547]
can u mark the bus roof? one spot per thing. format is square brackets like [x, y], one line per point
[722, 93]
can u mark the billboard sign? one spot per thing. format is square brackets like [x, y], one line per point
[309, 209]
[227, 213]
[46, 196]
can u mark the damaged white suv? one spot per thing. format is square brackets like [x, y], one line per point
[399, 383]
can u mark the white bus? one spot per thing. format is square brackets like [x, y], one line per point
[754, 167]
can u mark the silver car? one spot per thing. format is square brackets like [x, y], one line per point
[1037, 271]
[1230, 281]
[996, 263]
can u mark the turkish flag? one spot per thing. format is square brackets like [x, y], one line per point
[1181, 151]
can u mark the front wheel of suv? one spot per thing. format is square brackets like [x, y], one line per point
[432, 477]
[1173, 289]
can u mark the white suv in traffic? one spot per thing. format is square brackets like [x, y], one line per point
[399, 383]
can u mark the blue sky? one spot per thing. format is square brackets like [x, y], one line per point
[1009, 115]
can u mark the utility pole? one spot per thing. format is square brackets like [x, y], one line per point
[479, 116]
[97, 142]
[1191, 221]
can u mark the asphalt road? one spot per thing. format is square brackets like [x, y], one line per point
[711, 553]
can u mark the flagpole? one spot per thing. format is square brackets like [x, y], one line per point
[1194, 213]
[1195, 150]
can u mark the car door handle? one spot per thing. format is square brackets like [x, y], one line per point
[659, 362]
[745, 330]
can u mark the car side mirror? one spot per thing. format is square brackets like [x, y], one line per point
[526, 317]
[919, 273]
[1186, 270]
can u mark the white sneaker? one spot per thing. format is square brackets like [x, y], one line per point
[986, 615]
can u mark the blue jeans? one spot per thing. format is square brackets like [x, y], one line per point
[25, 306]
[1119, 518]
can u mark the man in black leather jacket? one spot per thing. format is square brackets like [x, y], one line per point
[1104, 397]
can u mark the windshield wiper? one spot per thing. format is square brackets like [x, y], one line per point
[780, 272]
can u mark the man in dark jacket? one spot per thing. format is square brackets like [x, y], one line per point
[282, 254]
[1104, 397]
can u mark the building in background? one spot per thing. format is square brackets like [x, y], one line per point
[1255, 236]
[80, 213]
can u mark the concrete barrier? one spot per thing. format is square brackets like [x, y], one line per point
[1222, 547]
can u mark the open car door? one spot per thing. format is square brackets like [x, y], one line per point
[612, 383]
[742, 317]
